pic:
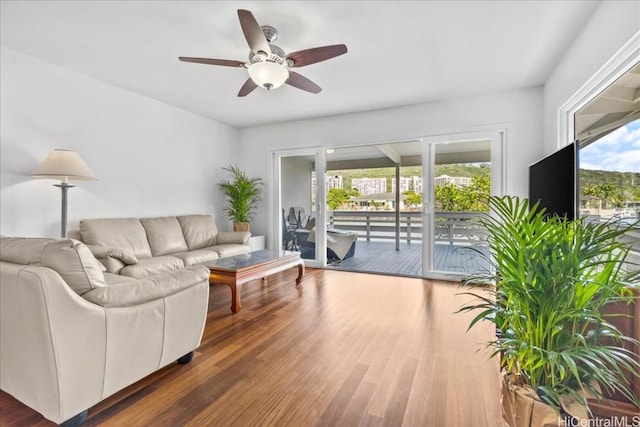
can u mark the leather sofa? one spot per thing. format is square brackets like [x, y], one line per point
[72, 334]
[139, 247]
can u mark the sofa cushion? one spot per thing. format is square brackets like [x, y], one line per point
[71, 259]
[117, 279]
[150, 266]
[126, 234]
[197, 256]
[230, 250]
[127, 294]
[199, 231]
[164, 235]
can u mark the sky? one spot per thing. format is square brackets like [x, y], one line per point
[618, 151]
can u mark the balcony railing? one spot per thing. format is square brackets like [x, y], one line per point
[450, 227]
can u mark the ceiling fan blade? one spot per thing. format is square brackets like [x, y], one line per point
[253, 33]
[210, 61]
[301, 82]
[317, 54]
[247, 87]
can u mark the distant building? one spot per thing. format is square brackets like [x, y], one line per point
[413, 183]
[405, 184]
[369, 185]
[334, 181]
[460, 181]
[417, 184]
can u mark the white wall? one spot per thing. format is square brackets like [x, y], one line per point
[151, 159]
[612, 25]
[520, 111]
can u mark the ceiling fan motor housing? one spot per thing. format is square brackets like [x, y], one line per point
[270, 33]
[277, 56]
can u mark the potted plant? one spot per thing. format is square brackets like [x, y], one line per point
[545, 293]
[242, 193]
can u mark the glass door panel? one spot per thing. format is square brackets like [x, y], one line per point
[374, 193]
[296, 204]
[463, 171]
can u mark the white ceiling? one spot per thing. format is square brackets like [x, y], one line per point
[400, 52]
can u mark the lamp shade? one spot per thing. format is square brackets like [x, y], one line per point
[64, 165]
[268, 75]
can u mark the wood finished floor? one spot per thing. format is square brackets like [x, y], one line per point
[343, 349]
[382, 257]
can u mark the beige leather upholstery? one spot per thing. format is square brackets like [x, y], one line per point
[197, 256]
[116, 279]
[61, 354]
[239, 237]
[155, 265]
[127, 234]
[112, 265]
[164, 235]
[138, 248]
[199, 231]
[70, 258]
[231, 250]
[135, 292]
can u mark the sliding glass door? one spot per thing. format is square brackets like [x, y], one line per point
[411, 205]
[298, 204]
[462, 171]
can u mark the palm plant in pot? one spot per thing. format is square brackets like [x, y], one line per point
[242, 193]
[551, 279]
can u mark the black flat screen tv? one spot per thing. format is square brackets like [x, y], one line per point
[553, 181]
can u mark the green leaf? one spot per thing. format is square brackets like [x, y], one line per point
[551, 279]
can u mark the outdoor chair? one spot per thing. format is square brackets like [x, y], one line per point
[289, 242]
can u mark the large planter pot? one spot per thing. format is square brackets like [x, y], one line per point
[241, 226]
[522, 407]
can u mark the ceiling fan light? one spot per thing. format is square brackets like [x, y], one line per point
[268, 75]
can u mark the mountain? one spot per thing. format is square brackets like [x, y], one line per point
[465, 170]
[587, 177]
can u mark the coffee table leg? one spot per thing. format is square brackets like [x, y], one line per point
[235, 298]
[300, 273]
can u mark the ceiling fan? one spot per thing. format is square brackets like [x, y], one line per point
[269, 66]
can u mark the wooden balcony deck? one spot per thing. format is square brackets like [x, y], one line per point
[381, 257]
[455, 233]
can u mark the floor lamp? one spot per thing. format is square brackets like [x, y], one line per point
[64, 165]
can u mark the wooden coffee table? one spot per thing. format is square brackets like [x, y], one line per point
[237, 270]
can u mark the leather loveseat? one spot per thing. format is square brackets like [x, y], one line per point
[140, 247]
[72, 334]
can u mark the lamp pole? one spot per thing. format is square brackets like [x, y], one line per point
[64, 186]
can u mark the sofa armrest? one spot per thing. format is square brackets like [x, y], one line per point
[60, 354]
[148, 289]
[226, 237]
[51, 340]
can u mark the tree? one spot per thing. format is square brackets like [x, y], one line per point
[469, 198]
[609, 193]
[337, 197]
[413, 199]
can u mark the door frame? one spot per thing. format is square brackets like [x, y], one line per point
[612, 70]
[497, 134]
[275, 198]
